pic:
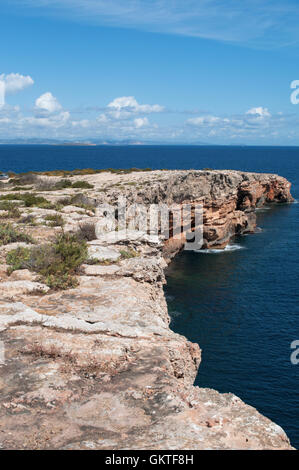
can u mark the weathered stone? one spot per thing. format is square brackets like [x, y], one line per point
[12, 288]
[103, 253]
[98, 270]
[97, 367]
[72, 209]
[23, 275]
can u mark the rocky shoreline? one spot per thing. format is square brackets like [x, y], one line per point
[96, 366]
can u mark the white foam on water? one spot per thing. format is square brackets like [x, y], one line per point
[228, 248]
[175, 314]
[262, 209]
[170, 298]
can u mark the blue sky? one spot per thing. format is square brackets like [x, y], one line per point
[207, 71]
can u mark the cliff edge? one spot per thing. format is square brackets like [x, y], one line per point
[96, 366]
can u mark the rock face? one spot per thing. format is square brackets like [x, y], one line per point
[97, 367]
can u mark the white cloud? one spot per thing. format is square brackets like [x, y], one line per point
[52, 121]
[260, 111]
[129, 104]
[15, 82]
[12, 83]
[256, 123]
[47, 102]
[141, 122]
[84, 123]
[125, 108]
[2, 94]
[208, 121]
[124, 118]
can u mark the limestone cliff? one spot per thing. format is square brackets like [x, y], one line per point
[97, 366]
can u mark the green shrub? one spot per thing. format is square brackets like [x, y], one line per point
[71, 250]
[63, 184]
[10, 197]
[21, 188]
[28, 219]
[55, 220]
[29, 200]
[82, 185]
[8, 234]
[32, 200]
[102, 262]
[127, 254]
[66, 281]
[18, 258]
[11, 208]
[57, 263]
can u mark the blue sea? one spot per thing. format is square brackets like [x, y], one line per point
[241, 304]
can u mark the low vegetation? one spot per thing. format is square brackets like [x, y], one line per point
[87, 231]
[9, 234]
[25, 179]
[78, 200]
[82, 185]
[12, 210]
[57, 263]
[28, 220]
[48, 185]
[55, 220]
[29, 199]
[129, 253]
[32, 177]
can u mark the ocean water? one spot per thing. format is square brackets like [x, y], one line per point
[240, 304]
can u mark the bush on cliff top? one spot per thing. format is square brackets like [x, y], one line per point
[12, 210]
[87, 231]
[29, 200]
[57, 263]
[8, 234]
[55, 220]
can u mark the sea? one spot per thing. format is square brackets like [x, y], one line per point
[241, 304]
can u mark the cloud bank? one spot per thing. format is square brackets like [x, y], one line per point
[125, 118]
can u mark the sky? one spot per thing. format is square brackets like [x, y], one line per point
[152, 71]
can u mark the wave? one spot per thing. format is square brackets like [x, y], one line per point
[175, 314]
[263, 209]
[169, 298]
[228, 248]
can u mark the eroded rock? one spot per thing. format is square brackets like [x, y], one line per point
[97, 367]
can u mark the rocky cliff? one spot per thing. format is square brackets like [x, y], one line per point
[97, 366]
